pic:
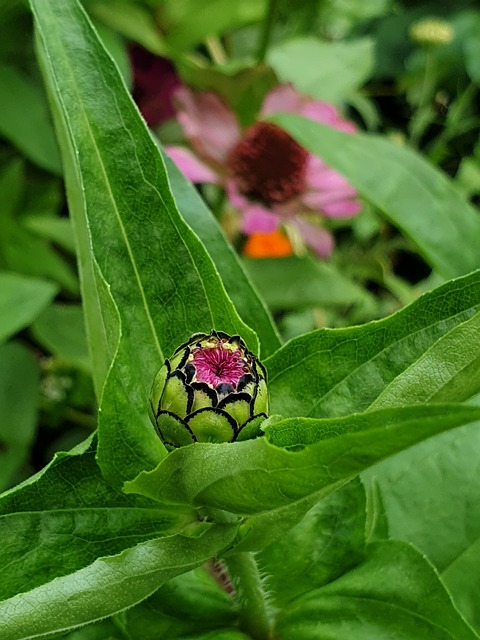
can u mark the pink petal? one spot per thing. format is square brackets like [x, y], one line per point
[209, 125]
[328, 192]
[342, 209]
[258, 218]
[191, 167]
[236, 199]
[282, 99]
[320, 240]
[320, 112]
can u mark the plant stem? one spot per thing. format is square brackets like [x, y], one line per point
[245, 578]
[267, 30]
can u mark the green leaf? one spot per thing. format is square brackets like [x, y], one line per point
[292, 283]
[99, 589]
[256, 477]
[151, 279]
[341, 371]
[58, 230]
[185, 605]
[132, 21]
[104, 630]
[339, 69]
[237, 283]
[327, 542]
[21, 300]
[63, 519]
[61, 329]
[448, 372]
[19, 378]
[395, 593]
[24, 119]
[430, 495]
[192, 23]
[415, 196]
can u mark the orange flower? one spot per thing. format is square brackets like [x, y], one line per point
[268, 245]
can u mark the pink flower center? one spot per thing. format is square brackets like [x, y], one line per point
[268, 165]
[218, 365]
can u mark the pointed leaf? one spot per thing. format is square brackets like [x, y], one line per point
[340, 371]
[155, 283]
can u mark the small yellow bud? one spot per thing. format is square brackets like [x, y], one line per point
[431, 31]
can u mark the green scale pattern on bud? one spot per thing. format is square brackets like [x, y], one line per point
[211, 390]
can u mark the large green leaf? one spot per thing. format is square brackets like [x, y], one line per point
[155, 283]
[339, 69]
[65, 518]
[416, 197]
[431, 497]
[108, 585]
[19, 378]
[395, 593]
[341, 371]
[260, 479]
[22, 299]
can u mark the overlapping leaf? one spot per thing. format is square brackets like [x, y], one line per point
[341, 371]
[259, 479]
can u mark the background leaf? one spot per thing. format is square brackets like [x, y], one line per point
[21, 300]
[293, 282]
[338, 69]
[61, 329]
[431, 499]
[19, 380]
[415, 196]
[333, 372]
[395, 593]
[24, 119]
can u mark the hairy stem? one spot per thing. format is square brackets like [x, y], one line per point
[245, 578]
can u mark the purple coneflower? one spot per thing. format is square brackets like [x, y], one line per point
[268, 177]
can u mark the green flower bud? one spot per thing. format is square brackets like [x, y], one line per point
[211, 390]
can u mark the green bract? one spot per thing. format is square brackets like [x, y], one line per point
[211, 390]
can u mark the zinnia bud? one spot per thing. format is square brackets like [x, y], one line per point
[211, 390]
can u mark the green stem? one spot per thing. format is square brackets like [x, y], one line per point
[245, 578]
[267, 30]
[423, 115]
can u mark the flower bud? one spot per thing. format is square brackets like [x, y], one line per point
[211, 390]
[431, 31]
